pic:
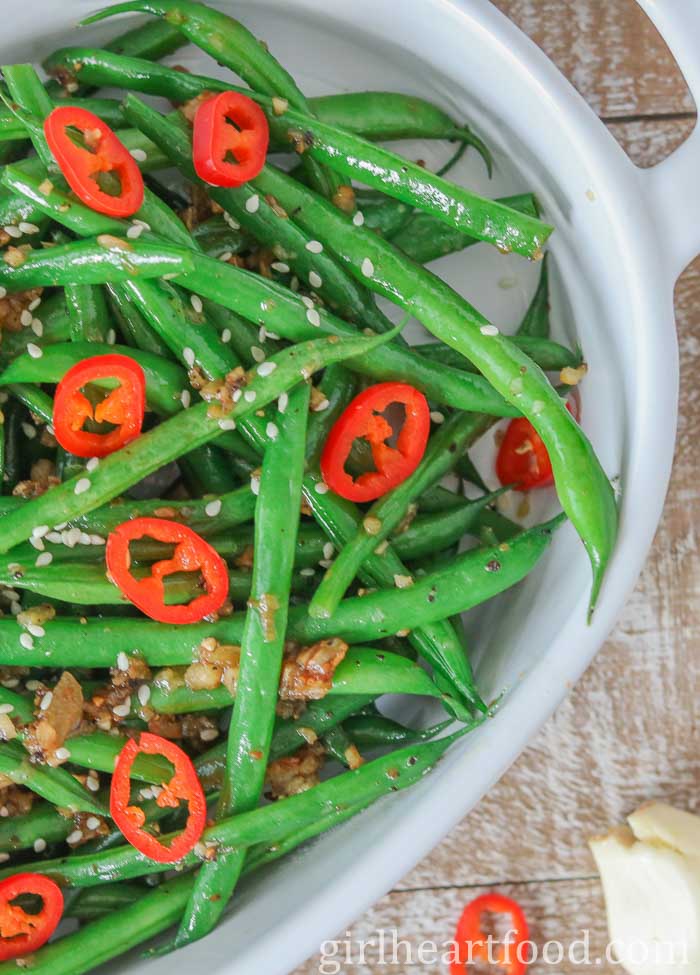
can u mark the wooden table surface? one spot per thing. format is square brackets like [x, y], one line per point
[628, 731]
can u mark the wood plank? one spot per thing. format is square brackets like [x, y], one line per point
[627, 733]
[556, 912]
[609, 50]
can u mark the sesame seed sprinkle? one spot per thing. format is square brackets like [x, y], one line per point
[144, 694]
[28, 228]
[213, 508]
[62, 754]
[359, 218]
[250, 396]
[255, 484]
[266, 368]
[321, 487]
[185, 398]
[209, 734]
[272, 431]
[122, 661]
[225, 257]
[227, 423]
[196, 303]
[226, 335]
[92, 822]
[12, 231]
[36, 630]
[92, 464]
[280, 267]
[34, 351]
[134, 231]
[82, 486]
[313, 317]
[188, 356]
[37, 327]
[43, 559]
[307, 572]
[315, 246]
[437, 417]
[39, 845]
[252, 204]
[488, 330]
[33, 305]
[74, 837]
[25, 319]
[29, 430]
[39, 531]
[328, 550]
[111, 337]
[37, 543]
[257, 353]
[46, 701]
[6, 708]
[315, 279]
[139, 155]
[367, 267]
[282, 402]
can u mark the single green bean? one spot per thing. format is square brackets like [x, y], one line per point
[549, 355]
[54, 784]
[536, 321]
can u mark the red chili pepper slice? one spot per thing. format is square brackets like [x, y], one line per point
[229, 125]
[103, 152]
[124, 406]
[522, 458]
[472, 944]
[191, 554]
[183, 786]
[363, 419]
[21, 932]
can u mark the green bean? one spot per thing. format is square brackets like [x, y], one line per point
[364, 671]
[549, 355]
[12, 434]
[34, 399]
[252, 721]
[385, 514]
[42, 822]
[536, 321]
[55, 328]
[340, 746]
[424, 238]
[503, 528]
[22, 708]
[134, 328]
[28, 92]
[430, 533]
[583, 487]
[474, 577]
[54, 784]
[108, 109]
[207, 470]
[184, 431]
[162, 376]
[216, 237]
[87, 309]
[97, 902]
[99, 750]
[376, 731]
[390, 773]
[94, 262]
[232, 45]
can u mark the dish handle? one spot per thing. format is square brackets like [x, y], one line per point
[673, 186]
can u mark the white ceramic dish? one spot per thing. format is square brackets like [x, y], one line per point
[622, 237]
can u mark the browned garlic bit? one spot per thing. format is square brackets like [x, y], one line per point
[295, 773]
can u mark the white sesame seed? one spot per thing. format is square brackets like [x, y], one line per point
[92, 822]
[134, 231]
[359, 218]
[252, 204]
[188, 356]
[325, 563]
[93, 783]
[122, 710]
[309, 302]
[209, 734]
[323, 405]
[282, 402]
[196, 303]
[280, 267]
[146, 793]
[43, 559]
[255, 484]
[111, 337]
[227, 424]
[26, 641]
[403, 582]
[213, 508]
[313, 317]
[237, 393]
[250, 396]
[328, 550]
[29, 228]
[61, 526]
[307, 572]
[257, 353]
[38, 531]
[488, 330]
[37, 327]
[39, 845]
[71, 537]
[15, 609]
[367, 267]
[315, 246]
[144, 694]
[4, 857]
[4, 812]
[37, 543]
[82, 486]
[12, 231]
[139, 155]
[272, 431]
[437, 417]
[141, 223]
[97, 540]
[46, 701]
[25, 319]
[62, 754]
[226, 256]
[3, 291]
[226, 335]
[229, 220]
[122, 661]
[33, 305]
[74, 837]
[315, 279]
[516, 386]
[185, 398]
[266, 368]
[321, 487]
[34, 350]
[29, 430]
[6, 708]
[92, 464]
[35, 629]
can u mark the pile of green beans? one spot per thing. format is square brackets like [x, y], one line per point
[277, 287]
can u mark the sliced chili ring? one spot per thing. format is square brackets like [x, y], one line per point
[192, 553]
[363, 419]
[522, 459]
[124, 406]
[183, 786]
[472, 943]
[102, 153]
[229, 124]
[21, 933]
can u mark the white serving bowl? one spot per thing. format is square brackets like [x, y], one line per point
[622, 237]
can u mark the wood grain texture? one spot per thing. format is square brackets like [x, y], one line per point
[629, 730]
